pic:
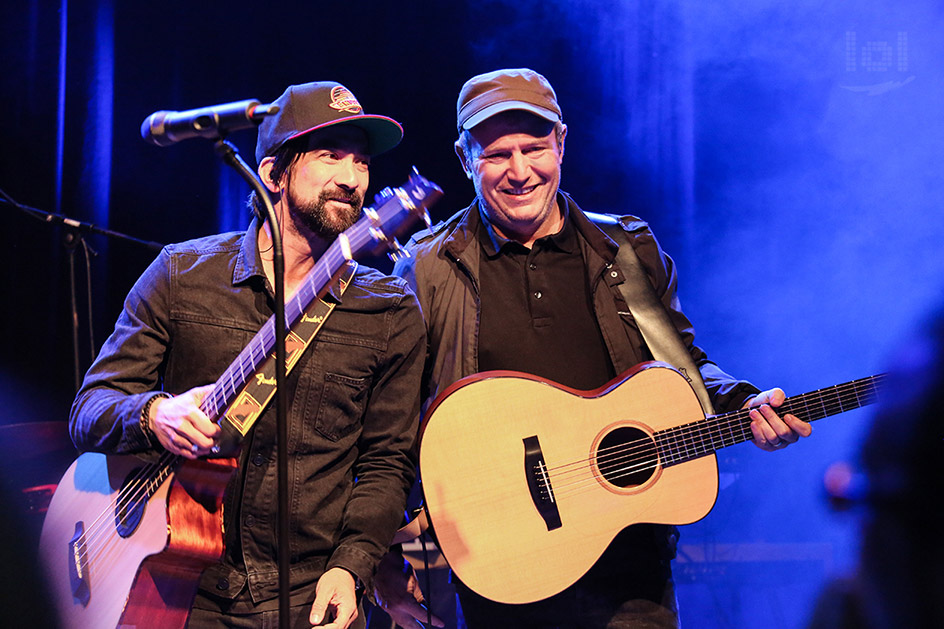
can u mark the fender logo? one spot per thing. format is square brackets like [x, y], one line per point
[261, 379]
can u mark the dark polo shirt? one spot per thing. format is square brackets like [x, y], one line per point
[537, 312]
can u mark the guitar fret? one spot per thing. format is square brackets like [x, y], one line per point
[673, 445]
[231, 383]
[698, 443]
[822, 405]
[695, 438]
[678, 446]
[242, 365]
[686, 440]
[732, 426]
[704, 437]
[212, 401]
[806, 408]
[683, 450]
[664, 448]
[717, 439]
[683, 445]
[719, 431]
[838, 399]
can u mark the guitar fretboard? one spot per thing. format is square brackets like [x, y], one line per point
[706, 436]
[262, 345]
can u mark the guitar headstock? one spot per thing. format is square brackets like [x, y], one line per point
[395, 210]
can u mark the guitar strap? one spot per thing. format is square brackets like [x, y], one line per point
[259, 389]
[648, 311]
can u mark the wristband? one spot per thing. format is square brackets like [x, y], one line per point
[146, 412]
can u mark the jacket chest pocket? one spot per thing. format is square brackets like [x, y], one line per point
[333, 391]
[341, 407]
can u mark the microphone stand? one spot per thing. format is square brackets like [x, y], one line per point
[73, 238]
[228, 153]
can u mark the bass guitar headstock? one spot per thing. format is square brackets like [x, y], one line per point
[393, 212]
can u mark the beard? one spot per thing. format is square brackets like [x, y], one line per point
[315, 217]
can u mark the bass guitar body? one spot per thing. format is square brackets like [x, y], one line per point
[122, 549]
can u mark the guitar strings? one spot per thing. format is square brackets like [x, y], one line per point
[104, 526]
[716, 423]
[691, 443]
[693, 439]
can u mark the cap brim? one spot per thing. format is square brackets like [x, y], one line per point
[509, 105]
[383, 133]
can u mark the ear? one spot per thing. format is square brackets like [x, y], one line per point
[265, 173]
[560, 145]
[463, 159]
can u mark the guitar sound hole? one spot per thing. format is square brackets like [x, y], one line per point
[626, 457]
[132, 499]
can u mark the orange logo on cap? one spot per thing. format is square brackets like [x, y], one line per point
[343, 100]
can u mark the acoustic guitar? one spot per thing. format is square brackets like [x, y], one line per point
[124, 540]
[526, 482]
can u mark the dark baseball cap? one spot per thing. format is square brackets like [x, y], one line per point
[491, 93]
[310, 106]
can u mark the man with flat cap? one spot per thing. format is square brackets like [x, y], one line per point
[353, 395]
[524, 280]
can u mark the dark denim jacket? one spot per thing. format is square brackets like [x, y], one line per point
[353, 407]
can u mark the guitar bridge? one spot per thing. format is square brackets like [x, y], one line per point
[78, 565]
[539, 483]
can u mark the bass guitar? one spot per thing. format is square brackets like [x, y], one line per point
[526, 482]
[124, 541]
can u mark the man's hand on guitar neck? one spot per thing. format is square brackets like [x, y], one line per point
[180, 425]
[771, 432]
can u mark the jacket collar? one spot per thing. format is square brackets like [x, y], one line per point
[465, 226]
[249, 261]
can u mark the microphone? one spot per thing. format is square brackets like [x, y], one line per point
[164, 128]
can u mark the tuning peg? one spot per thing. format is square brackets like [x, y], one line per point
[396, 251]
[382, 196]
[376, 228]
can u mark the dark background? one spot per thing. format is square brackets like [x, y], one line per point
[786, 154]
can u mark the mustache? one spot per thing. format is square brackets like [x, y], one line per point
[339, 194]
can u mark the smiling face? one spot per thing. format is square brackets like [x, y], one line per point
[325, 187]
[514, 161]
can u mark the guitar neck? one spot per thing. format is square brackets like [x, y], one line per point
[706, 436]
[245, 366]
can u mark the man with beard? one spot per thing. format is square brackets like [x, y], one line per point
[353, 395]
